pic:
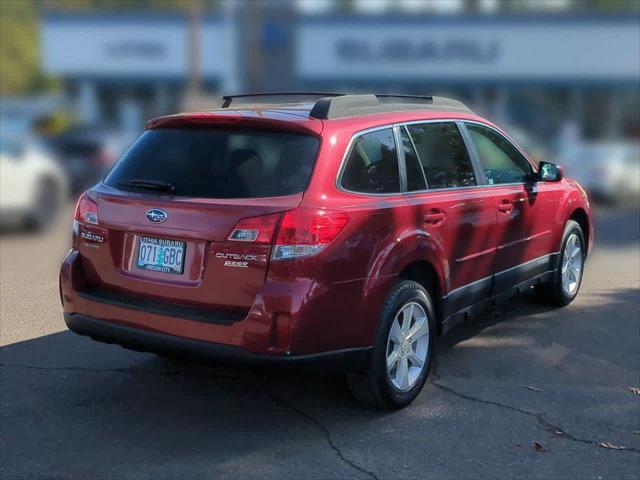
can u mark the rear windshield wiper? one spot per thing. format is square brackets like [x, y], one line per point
[149, 185]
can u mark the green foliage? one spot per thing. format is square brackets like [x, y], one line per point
[20, 70]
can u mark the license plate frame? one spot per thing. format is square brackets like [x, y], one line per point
[149, 248]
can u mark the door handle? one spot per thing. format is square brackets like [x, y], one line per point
[505, 206]
[436, 216]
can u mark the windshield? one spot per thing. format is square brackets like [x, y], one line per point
[216, 163]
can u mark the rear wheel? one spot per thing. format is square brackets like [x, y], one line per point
[401, 357]
[566, 281]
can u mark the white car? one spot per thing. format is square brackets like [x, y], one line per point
[610, 171]
[33, 186]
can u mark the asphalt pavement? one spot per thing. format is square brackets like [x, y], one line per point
[527, 391]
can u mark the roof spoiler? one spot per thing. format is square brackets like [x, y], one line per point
[337, 105]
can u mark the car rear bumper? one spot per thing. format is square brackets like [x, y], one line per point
[149, 341]
[298, 319]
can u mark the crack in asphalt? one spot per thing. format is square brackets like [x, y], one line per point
[327, 433]
[539, 417]
[544, 423]
[272, 395]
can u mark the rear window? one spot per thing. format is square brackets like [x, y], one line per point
[372, 166]
[218, 163]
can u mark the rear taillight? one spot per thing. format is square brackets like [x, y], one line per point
[86, 210]
[305, 231]
[255, 229]
[302, 232]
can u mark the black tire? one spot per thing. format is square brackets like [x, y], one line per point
[551, 292]
[374, 386]
[46, 205]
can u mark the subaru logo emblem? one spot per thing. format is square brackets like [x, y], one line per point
[156, 215]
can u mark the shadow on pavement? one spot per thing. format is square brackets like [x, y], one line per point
[72, 406]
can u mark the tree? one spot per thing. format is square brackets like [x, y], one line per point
[20, 70]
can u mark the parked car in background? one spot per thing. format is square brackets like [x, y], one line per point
[351, 228]
[33, 186]
[87, 152]
[609, 171]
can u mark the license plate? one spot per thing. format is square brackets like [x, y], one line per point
[161, 255]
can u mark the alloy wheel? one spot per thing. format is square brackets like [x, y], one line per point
[571, 264]
[407, 346]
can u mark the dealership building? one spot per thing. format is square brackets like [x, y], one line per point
[540, 71]
[119, 70]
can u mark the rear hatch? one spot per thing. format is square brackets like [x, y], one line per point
[187, 216]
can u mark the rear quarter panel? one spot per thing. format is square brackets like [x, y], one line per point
[361, 265]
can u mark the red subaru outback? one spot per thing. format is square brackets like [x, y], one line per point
[293, 228]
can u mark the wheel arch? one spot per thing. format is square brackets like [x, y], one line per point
[580, 215]
[427, 275]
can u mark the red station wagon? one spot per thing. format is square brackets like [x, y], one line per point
[290, 228]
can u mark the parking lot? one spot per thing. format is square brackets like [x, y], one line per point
[527, 391]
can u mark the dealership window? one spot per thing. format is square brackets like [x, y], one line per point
[611, 114]
[629, 118]
[372, 166]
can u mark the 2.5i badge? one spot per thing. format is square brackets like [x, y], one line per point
[237, 260]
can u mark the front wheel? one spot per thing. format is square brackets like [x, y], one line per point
[563, 288]
[401, 356]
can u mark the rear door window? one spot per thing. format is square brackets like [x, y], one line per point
[212, 163]
[443, 155]
[501, 161]
[372, 165]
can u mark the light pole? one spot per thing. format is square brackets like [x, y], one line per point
[194, 45]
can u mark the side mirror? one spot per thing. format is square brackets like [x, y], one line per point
[550, 172]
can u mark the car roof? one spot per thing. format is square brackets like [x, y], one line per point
[314, 111]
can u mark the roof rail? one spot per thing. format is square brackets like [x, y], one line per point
[349, 105]
[337, 105]
[289, 97]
